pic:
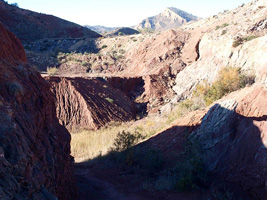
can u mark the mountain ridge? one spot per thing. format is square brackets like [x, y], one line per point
[170, 18]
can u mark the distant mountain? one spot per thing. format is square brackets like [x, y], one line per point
[122, 31]
[30, 26]
[169, 18]
[101, 29]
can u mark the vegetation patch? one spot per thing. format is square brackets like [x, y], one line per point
[125, 140]
[186, 175]
[222, 26]
[229, 79]
[242, 40]
[124, 153]
[89, 144]
[110, 100]
[224, 32]
[52, 71]
[104, 46]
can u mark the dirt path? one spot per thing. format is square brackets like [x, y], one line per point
[91, 188]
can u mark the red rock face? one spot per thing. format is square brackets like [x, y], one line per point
[34, 147]
[158, 60]
[131, 86]
[11, 47]
[149, 92]
[89, 103]
[155, 53]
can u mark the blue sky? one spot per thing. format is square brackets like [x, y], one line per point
[122, 12]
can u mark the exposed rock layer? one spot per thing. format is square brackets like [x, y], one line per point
[154, 53]
[231, 136]
[233, 140]
[11, 47]
[89, 103]
[35, 161]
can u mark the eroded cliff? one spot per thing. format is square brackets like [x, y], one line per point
[34, 148]
[89, 103]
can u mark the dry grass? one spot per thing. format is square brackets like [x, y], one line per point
[88, 144]
[52, 71]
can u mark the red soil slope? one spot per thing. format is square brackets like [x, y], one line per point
[89, 103]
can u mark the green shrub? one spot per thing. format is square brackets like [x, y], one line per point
[125, 140]
[104, 46]
[86, 64]
[224, 32]
[242, 40]
[222, 26]
[52, 71]
[229, 79]
[109, 100]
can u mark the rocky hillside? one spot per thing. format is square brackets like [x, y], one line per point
[101, 29]
[34, 147]
[156, 59]
[121, 31]
[234, 38]
[30, 26]
[231, 139]
[168, 19]
[89, 103]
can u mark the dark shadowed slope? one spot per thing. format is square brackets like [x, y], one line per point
[35, 161]
[122, 31]
[30, 26]
[100, 29]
